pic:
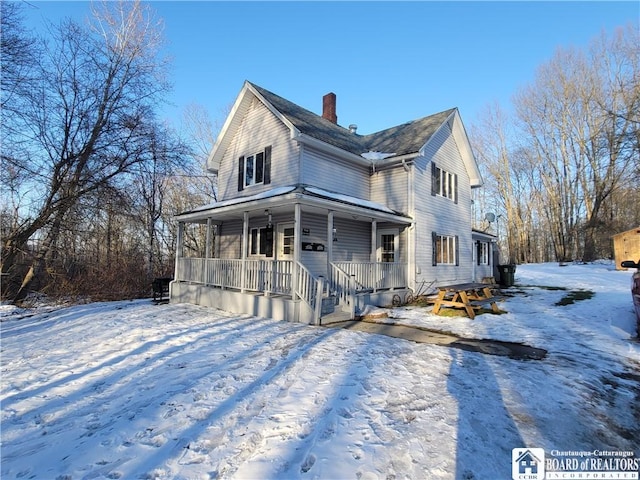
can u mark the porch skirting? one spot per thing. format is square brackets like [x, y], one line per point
[278, 307]
[250, 303]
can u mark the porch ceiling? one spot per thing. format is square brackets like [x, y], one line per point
[282, 201]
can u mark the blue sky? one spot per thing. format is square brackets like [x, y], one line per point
[387, 62]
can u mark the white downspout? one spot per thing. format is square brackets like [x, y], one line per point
[411, 231]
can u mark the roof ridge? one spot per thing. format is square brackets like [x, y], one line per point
[401, 139]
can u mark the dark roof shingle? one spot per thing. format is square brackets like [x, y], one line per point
[402, 139]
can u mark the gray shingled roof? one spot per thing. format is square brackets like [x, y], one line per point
[402, 139]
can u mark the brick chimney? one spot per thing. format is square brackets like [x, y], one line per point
[329, 107]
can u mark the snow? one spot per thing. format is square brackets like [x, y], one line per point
[143, 391]
[374, 156]
[349, 199]
[274, 192]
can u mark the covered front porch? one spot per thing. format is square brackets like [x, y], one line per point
[294, 255]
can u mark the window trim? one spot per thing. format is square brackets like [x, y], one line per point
[452, 243]
[256, 167]
[444, 183]
[482, 253]
[260, 169]
[259, 244]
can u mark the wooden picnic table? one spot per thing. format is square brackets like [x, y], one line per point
[469, 296]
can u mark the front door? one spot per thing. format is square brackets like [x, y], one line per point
[387, 248]
[386, 255]
[284, 251]
[285, 241]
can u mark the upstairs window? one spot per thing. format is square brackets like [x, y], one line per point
[254, 169]
[443, 183]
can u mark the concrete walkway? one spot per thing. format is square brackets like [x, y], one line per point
[514, 350]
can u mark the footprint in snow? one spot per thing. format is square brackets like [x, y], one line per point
[308, 463]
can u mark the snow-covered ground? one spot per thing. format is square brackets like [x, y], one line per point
[134, 390]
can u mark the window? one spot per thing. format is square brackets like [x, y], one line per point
[445, 249]
[261, 241]
[443, 183]
[388, 247]
[483, 253]
[288, 241]
[254, 169]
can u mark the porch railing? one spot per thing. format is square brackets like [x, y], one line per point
[269, 276]
[374, 276]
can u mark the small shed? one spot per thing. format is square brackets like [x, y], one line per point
[626, 246]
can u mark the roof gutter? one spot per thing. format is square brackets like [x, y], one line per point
[391, 162]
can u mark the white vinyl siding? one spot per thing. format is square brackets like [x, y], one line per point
[335, 175]
[353, 241]
[230, 234]
[314, 231]
[440, 214]
[259, 129]
[391, 188]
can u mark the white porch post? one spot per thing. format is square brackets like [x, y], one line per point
[216, 241]
[245, 249]
[329, 242]
[374, 240]
[297, 230]
[179, 248]
[373, 258]
[207, 253]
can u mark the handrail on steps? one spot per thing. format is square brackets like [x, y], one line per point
[343, 285]
[309, 289]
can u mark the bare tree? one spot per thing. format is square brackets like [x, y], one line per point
[506, 169]
[86, 123]
[581, 117]
[18, 56]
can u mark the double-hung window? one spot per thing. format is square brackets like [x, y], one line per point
[445, 249]
[443, 183]
[261, 242]
[254, 169]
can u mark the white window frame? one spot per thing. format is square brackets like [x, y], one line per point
[446, 250]
[257, 245]
[445, 184]
[251, 164]
[483, 253]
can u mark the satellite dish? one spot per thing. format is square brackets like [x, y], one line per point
[490, 217]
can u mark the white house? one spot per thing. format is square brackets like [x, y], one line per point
[315, 221]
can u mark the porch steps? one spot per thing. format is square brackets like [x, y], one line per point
[328, 305]
[337, 316]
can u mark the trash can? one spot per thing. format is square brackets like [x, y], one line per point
[507, 275]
